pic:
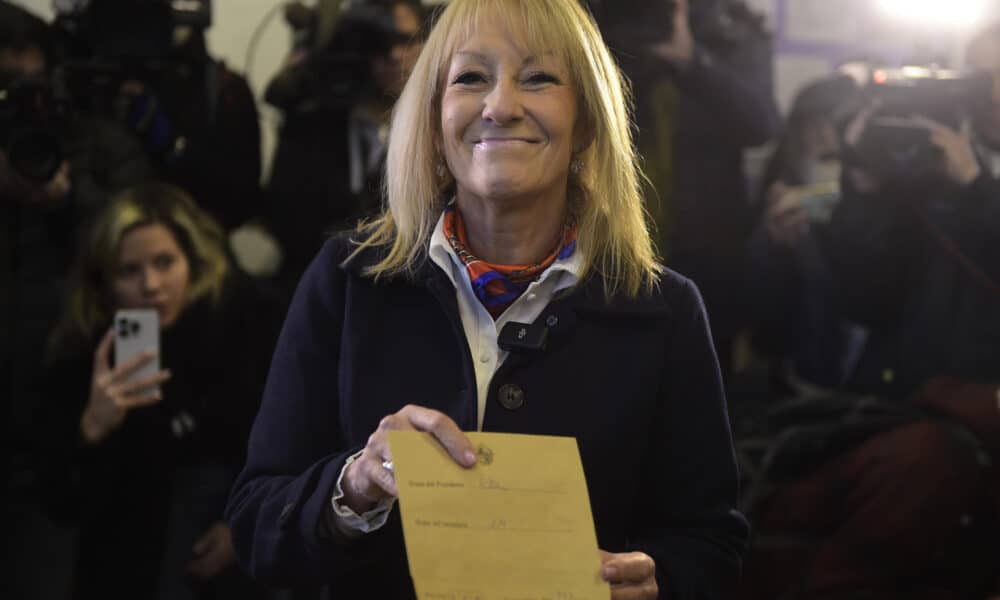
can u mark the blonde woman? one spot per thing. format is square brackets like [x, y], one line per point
[150, 461]
[512, 196]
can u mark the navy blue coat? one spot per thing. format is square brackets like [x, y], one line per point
[635, 381]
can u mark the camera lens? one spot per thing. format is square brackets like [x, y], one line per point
[123, 328]
[135, 327]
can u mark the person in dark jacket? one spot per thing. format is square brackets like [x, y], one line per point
[46, 197]
[513, 196]
[789, 282]
[702, 74]
[144, 465]
[49, 192]
[323, 182]
[913, 511]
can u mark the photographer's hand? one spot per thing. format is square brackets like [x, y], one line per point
[959, 159]
[679, 49]
[112, 396]
[786, 219]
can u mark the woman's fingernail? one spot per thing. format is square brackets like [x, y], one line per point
[610, 573]
[470, 457]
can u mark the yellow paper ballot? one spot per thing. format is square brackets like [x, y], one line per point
[517, 526]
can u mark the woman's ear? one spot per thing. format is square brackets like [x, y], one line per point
[583, 135]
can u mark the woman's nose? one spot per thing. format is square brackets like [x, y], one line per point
[151, 280]
[503, 103]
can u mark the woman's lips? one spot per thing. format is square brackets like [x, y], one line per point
[503, 142]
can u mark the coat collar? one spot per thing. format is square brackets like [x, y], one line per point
[587, 297]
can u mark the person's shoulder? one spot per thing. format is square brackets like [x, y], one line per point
[346, 250]
[679, 292]
[670, 294]
[673, 283]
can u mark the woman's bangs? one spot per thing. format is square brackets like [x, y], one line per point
[536, 26]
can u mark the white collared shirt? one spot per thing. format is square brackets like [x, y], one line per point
[481, 334]
[481, 331]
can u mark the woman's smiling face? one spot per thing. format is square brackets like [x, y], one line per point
[508, 118]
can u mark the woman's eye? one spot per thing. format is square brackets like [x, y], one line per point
[128, 271]
[540, 78]
[163, 262]
[469, 78]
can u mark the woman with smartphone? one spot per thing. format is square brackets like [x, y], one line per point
[148, 453]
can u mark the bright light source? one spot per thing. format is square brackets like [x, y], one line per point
[953, 13]
[912, 72]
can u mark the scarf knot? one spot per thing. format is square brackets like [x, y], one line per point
[498, 286]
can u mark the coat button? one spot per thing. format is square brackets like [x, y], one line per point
[511, 396]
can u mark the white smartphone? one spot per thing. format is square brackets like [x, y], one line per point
[818, 200]
[137, 330]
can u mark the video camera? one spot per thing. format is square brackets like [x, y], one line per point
[129, 30]
[342, 44]
[32, 118]
[893, 146]
[103, 43]
[631, 26]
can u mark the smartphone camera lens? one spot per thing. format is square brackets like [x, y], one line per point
[135, 327]
[123, 328]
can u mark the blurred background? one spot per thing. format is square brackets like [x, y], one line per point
[827, 172]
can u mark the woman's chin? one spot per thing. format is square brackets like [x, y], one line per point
[167, 317]
[507, 188]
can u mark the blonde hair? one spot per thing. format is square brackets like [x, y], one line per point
[604, 196]
[198, 235]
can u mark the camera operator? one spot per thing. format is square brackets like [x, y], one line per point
[145, 63]
[56, 168]
[914, 247]
[789, 283]
[917, 238]
[702, 77]
[344, 87]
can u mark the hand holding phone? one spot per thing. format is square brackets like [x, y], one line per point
[818, 200]
[133, 382]
[785, 217]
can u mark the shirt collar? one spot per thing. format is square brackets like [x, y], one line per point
[443, 255]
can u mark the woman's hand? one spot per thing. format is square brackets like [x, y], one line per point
[112, 396]
[632, 575]
[366, 481]
[213, 552]
[959, 161]
[785, 217]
